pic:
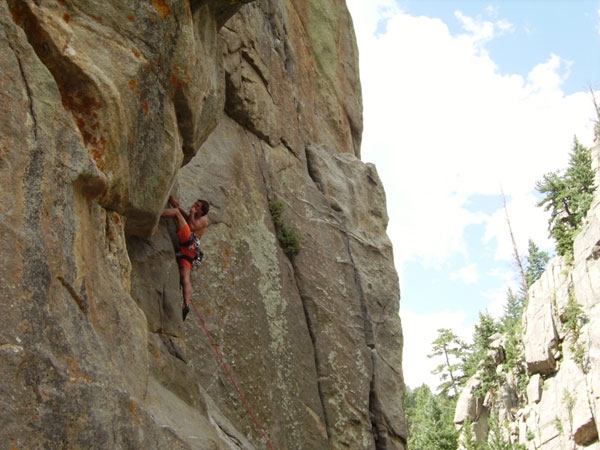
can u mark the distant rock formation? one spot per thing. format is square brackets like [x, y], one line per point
[560, 407]
[109, 107]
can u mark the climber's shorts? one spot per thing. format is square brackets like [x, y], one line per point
[186, 254]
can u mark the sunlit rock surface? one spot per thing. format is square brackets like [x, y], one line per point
[110, 107]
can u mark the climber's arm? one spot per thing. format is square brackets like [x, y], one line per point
[175, 204]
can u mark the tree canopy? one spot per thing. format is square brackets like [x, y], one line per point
[568, 197]
[536, 263]
[452, 350]
[430, 417]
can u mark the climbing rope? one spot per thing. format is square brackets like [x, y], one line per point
[231, 378]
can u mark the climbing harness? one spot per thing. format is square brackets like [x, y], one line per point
[193, 245]
[231, 378]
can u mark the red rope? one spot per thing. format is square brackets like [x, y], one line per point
[231, 378]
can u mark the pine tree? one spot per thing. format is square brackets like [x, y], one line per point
[568, 197]
[484, 329]
[536, 263]
[452, 350]
[510, 322]
[510, 326]
[497, 438]
[431, 420]
[414, 406]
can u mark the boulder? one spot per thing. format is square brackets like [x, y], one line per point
[562, 404]
[534, 388]
[540, 337]
[469, 406]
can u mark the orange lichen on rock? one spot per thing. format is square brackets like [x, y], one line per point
[179, 78]
[74, 370]
[162, 8]
[85, 109]
[81, 103]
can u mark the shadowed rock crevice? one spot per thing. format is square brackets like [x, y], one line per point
[80, 300]
[309, 311]
[222, 9]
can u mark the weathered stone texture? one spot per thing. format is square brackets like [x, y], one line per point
[568, 403]
[562, 404]
[103, 102]
[561, 408]
[540, 338]
[469, 407]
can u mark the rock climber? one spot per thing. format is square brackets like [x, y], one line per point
[190, 228]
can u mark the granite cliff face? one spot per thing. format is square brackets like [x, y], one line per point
[107, 109]
[560, 406]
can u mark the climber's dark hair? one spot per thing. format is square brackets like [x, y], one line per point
[205, 207]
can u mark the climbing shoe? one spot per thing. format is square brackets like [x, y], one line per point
[185, 310]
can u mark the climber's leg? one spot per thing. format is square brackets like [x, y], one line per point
[175, 214]
[186, 285]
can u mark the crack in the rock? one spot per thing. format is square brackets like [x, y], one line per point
[29, 92]
[246, 56]
[81, 301]
[320, 377]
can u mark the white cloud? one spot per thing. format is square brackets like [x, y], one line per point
[442, 124]
[547, 76]
[478, 29]
[527, 222]
[481, 31]
[497, 301]
[505, 26]
[420, 330]
[467, 274]
[368, 16]
[492, 11]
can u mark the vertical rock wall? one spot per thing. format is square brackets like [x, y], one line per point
[260, 103]
[560, 407]
[562, 354]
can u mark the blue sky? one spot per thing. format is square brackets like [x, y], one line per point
[536, 29]
[464, 100]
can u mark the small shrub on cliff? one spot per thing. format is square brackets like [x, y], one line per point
[498, 437]
[568, 401]
[573, 318]
[288, 236]
[558, 426]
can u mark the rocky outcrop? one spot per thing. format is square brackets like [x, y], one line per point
[564, 412]
[559, 409]
[259, 102]
[562, 406]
